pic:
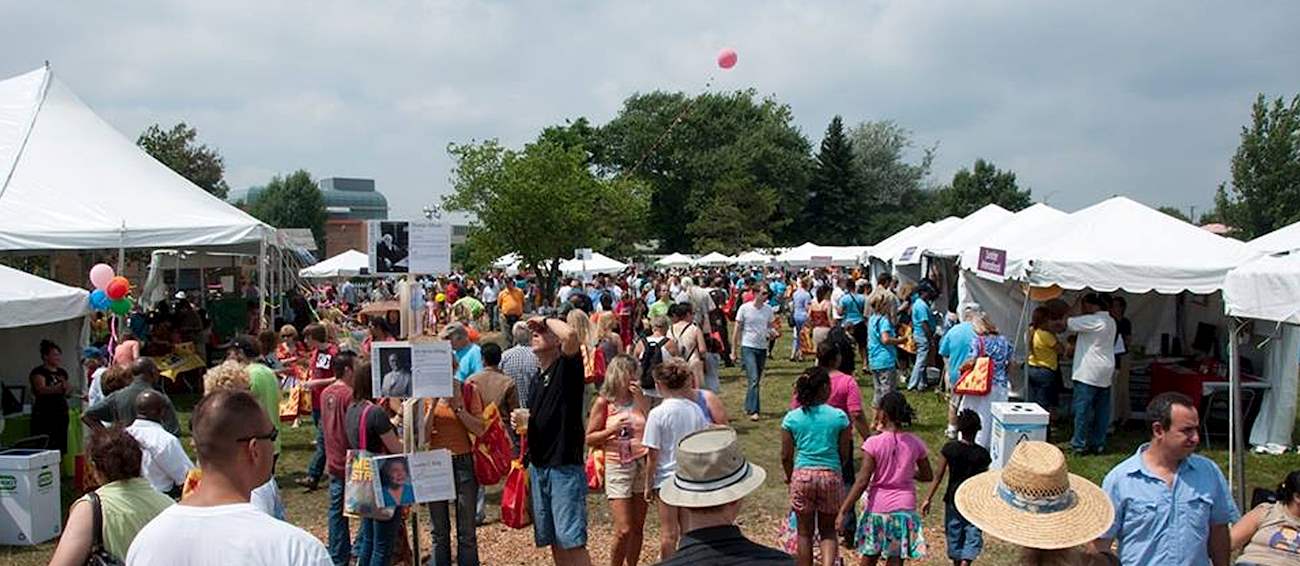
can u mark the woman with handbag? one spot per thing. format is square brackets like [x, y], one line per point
[368, 429]
[986, 375]
[449, 424]
[617, 424]
[102, 524]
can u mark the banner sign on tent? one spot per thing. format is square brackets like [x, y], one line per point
[993, 261]
[907, 254]
[398, 246]
[820, 261]
[582, 254]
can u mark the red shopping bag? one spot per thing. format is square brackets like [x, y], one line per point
[492, 449]
[515, 496]
[595, 469]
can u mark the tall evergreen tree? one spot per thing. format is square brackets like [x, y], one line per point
[830, 217]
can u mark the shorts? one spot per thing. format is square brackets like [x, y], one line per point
[891, 535]
[623, 480]
[816, 490]
[559, 505]
[965, 541]
[859, 332]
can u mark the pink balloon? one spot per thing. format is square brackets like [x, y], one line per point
[100, 275]
[727, 58]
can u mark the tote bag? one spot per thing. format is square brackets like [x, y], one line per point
[359, 498]
[976, 375]
[515, 494]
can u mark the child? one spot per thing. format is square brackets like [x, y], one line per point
[967, 459]
[815, 439]
[666, 424]
[892, 463]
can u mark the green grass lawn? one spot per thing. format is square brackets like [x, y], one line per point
[762, 510]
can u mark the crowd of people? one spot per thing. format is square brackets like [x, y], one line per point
[624, 369]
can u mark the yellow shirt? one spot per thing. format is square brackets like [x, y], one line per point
[1042, 353]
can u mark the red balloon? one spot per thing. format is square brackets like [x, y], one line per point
[727, 58]
[117, 288]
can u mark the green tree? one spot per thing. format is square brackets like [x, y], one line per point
[542, 202]
[177, 149]
[683, 149]
[1265, 190]
[1176, 213]
[893, 189]
[835, 182]
[985, 184]
[733, 221]
[292, 201]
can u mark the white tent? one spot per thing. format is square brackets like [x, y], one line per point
[715, 259]
[1268, 289]
[1034, 222]
[70, 181]
[346, 264]
[810, 253]
[1284, 239]
[675, 260]
[508, 261]
[599, 263]
[36, 309]
[952, 241]
[904, 247]
[753, 258]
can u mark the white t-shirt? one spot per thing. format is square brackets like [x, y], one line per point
[162, 458]
[1094, 351]
[665, 426]
[754, 323]
[836, 295]
[185, 535]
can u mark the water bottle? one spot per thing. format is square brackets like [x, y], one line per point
[625, 445]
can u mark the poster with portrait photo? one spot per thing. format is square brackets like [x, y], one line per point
[390, 246]
[398, 247]
[411, 369]
[417, 477]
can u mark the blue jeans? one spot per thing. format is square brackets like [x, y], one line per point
[559, 498]
[491, 309]
[753, 359]
[798, 329]
[375, 542]
[1091, 416]
[965, 541]
[340, 537]
[316, 469]
[917, 380]
[467, 492]
[1044, 384]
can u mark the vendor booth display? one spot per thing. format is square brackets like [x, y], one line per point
[347, 264]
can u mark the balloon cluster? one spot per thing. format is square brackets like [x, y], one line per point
[112, 291]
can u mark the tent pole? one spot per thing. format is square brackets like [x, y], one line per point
[261, 282]
[1236, 451]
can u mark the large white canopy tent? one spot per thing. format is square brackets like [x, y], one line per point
[675, 260]
[1284, 239]
[810, 254]
[950, 241]
[346, 264]
[897, 253]
[36, 309]
[715, 259]
[752, 257]
[599, 263]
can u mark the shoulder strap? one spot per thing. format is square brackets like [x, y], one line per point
[362, 433]
[97, 544]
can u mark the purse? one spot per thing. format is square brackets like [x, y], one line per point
[359, 497]
[515, 495]
[976, 375]
[595, 469]
[98, 555]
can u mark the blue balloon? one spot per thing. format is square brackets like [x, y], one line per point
[99, 300]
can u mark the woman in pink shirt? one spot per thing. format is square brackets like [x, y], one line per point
[127, 350]
[892, 463]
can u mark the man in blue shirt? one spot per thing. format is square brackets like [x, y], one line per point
[469, 358]
[853, 309]
[955, 347]
[1172, 506]
[922, 332]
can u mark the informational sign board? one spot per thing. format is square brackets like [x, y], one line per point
[992, 261]
[908, 254]
[582, 254]
[411, 369]
[820, 261]
[416, 477]
[399, 246]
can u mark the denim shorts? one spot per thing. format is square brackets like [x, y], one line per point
[965, 541]
[559, 505]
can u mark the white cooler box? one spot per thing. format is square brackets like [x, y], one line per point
[29, 496]
[1014, 423]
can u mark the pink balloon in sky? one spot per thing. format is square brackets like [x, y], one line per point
[727, 58]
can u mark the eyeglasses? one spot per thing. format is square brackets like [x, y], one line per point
[271, 436]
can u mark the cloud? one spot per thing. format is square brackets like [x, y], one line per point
[1083, 101]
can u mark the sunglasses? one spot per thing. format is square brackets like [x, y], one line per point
[271, 436]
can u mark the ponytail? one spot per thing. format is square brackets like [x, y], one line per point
[808, 386]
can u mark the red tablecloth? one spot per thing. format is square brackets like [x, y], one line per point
[1185, 380]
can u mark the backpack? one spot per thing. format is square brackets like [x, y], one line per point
[651, 357]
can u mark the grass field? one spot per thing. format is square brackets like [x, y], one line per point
[762, 511]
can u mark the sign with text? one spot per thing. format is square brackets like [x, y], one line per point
[411, 369]
[907, 255]
[992, 261]
[398, 246]
[582, 254]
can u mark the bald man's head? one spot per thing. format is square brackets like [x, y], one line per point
[150, 405]
[221, 419]
[146, 368]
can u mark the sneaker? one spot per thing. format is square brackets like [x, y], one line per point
[308, 484]
[753, 417]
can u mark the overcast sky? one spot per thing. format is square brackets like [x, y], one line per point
[1144, 99]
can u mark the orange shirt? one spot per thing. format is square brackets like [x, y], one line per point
[511, 302]
[447, 430]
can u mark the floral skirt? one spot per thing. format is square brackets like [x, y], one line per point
[891, 535]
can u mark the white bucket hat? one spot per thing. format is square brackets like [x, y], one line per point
[711, 471]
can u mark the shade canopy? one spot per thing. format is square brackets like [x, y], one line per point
[70, 181]
[904, 246]
[715, 259]
[811, 254]
[599, 263]
[1284, 239]
[1267, 288]
[1024, 226]
[346, 264]
[1122, 244]
[753, 258]
[952, 241]
[28, 300]
[675, 260]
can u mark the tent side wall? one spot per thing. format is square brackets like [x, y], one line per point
[20, 350]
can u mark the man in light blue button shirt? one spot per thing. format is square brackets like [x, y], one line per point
[1172, 507]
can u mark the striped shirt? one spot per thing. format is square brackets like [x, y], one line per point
[520, 363]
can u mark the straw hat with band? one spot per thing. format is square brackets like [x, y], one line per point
[1035, 502]
[711, 471]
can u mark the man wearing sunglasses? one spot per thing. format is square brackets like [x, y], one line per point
[217, 525]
